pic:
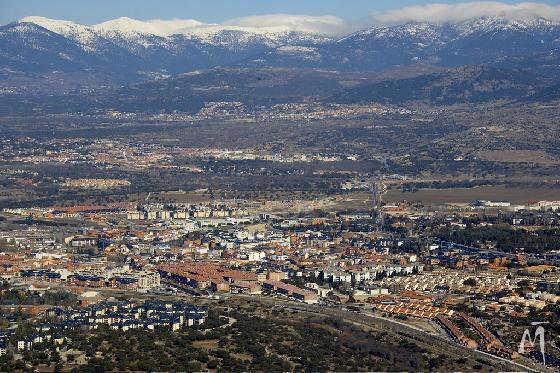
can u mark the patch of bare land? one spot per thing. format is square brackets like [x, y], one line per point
[207, 345]
[359, 201]
[517, 156]
[466, 195]
[180, 196]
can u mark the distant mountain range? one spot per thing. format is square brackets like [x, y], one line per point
[126, 51]
[479, 41]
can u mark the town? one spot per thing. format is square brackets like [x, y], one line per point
[393, 261]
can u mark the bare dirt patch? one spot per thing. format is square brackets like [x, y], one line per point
[467, 195]
[207, 345]
[517, 156]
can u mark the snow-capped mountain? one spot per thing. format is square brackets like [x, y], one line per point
[493, 39]
[143, 48]
[28, 47]
[128, 48]
[143, 32]
[80, 33]
[497, 24]
[481, 40]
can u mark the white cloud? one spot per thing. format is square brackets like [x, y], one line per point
[434, 13]
[329, 25]
[155, 26]
[442, 13]
[169, 27]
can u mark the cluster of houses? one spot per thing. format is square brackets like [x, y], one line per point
[490, 342]
[124, 316]
[290, 291]
[486, 282]
[421, 310]
[185, 211]
[137, 280]
[487, 339]
[366, 273]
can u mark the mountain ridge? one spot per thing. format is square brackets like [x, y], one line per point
[134, 50]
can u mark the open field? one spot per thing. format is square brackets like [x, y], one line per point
[207, 345]
[354, 201]
[517, 156]
[179, 196]
[467, 195]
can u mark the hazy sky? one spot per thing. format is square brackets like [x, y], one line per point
[215, 11]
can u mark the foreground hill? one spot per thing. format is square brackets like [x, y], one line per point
[461, 85]
[266, 87]
[189, 92]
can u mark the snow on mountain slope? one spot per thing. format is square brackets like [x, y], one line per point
[128, 30]
[82, 34]
[58, 26]
[29, 48]
[500, 24]
[410, 36]
[180, 45]
[229, 36]
[234, 37]
[152, 46]
[409, 30]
